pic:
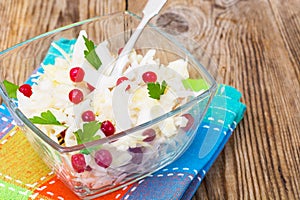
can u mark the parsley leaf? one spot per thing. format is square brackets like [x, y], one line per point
[155, 90]
[45, 118]
[87, 133]
[195, 84]
[90, 53]
[11, 89]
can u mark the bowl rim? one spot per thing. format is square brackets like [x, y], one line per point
[21, 119]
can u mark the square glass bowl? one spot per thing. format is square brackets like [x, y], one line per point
[107, 163]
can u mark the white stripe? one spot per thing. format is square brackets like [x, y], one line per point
[41, 188]
[211, 118]
[12, 133]
[31, 185]
[50, 173]
[23, 193]
[34, 80]
[4, 141]
[221, 121]
[8, 177]
[50, 193]
[220, 108]
[216, 129]
[33, 196]
[5, 129]
[4, 119]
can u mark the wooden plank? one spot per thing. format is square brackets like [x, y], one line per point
[259, 56]
[24, 19]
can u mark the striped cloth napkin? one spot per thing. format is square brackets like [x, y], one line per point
[23, 175]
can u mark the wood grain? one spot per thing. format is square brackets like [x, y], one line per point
[24, 19]
[256, 45]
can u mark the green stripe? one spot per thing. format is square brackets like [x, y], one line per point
[9, 191]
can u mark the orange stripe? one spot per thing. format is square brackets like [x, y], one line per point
[55, 189]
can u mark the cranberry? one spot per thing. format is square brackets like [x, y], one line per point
[103, 158]
[26, 90]
[88, 116]
[137, 154]
[76, 74]
[190, 122]
[88, 168]
[78, 162]
[76, 96]
[107, 128]
[120, 50]
[121, 79]
[90, 87]
[150, 133]
[149, 77]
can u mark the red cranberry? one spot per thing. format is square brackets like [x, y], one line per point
[149, 77]
[77, 74]
[26, 90]
[120, 50]
[107, 128]
[76, 96]
[78, 162]
[90, 87]
[121, 79]
[190, 122]
[103, 158]
[88, 116]
[150, 133]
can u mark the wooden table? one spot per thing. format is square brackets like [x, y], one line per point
[256, 45]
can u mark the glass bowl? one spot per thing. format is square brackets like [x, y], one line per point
[94, 167]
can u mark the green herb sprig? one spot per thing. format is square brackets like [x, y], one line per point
[87, 134]
[11, 89]
[155, 90]
[46, 118]
[90, 54]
